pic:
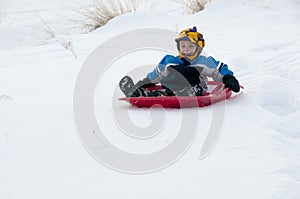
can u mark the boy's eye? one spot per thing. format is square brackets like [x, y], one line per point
[188, 46]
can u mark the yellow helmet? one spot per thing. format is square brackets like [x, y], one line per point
[192, 35]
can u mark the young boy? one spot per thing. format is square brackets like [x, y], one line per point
[185, 74]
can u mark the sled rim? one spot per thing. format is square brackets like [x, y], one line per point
[218, 94]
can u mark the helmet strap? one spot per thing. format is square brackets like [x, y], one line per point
[191, 57]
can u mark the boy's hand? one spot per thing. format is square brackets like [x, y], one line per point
[231, 82]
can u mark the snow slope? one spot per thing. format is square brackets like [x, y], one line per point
[257, 156]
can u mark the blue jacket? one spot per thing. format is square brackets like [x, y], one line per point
[160, 71]
[207, 66]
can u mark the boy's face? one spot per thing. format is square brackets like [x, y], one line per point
[187, 48]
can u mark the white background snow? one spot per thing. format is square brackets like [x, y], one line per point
[257, 156]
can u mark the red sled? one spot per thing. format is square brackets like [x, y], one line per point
[217, 94]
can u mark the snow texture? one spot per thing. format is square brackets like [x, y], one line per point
[257, 156]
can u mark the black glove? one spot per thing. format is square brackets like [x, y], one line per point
[145, 83]
[231, 82]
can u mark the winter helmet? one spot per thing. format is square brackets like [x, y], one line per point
[192, 35]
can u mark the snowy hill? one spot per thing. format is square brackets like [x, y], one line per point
[256, 156]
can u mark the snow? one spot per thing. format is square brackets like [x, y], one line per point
[257, 155]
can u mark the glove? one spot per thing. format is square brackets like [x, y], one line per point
[231, 82]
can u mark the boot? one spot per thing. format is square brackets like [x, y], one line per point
[129, 89]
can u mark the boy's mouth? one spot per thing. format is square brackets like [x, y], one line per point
[188, 54]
